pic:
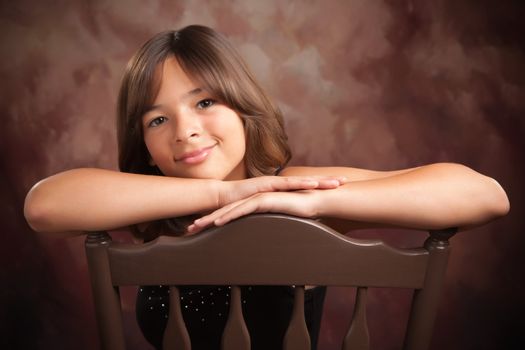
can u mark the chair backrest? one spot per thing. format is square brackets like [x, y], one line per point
[267, 249]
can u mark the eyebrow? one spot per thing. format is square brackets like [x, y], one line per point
[186, 95]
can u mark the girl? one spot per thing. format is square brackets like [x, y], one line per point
[201, 144]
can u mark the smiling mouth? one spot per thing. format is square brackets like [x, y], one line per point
[195, 157]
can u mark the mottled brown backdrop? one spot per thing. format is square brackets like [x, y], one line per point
[376, 84]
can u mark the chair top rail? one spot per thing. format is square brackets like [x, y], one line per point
[267, 249]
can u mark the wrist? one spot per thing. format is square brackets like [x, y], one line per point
[318, 203]
[219, 190]
[324, 201]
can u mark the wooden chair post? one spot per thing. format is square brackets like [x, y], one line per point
[357, 337]
[105, 295]
[297, 336]
[235, 335]
[426, 300]
[267, 249]
[176, 335]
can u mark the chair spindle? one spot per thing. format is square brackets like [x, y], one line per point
[235, 335]
[357, 337]
[297, 336]
[176, 335]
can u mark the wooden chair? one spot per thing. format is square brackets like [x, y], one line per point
[267, 249]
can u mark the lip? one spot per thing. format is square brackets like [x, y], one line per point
[196, 156]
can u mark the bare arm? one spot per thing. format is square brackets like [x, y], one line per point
[96, 199]
[428, 197]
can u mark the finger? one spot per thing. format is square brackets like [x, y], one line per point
[328, 183]
[230, 212]
[209, 219]
[243, 209]
[343, 180]
[193, 229]
[202, 223]
[300, 183]
[278, 183]
[331, 180]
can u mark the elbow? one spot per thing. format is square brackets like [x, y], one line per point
[489, 191]
[500, 204]
[36, 211]
[493, 203]
[486, 198]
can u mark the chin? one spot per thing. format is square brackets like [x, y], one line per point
[203, 175]
[209, 173]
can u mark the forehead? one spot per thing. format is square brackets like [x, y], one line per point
[171, 78]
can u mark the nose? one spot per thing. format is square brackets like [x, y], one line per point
[186, 127]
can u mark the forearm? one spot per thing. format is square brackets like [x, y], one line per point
[96, 199]
[429, 197]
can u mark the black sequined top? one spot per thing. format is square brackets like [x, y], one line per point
[267, 311]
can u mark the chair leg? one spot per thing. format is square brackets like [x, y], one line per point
[105, 295]
[426, 300]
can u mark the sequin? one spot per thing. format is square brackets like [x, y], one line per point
[202, 306]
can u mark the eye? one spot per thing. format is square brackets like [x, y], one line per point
[206, 103]
[156, 122]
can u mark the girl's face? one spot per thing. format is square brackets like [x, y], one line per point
[190, 134]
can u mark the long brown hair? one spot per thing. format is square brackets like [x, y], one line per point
[208, 58]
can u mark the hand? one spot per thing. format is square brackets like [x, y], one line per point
[299, 203]
[232, 191]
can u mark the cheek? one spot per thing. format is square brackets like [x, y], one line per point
[231, 128]
[154, 151]
[240, 139]
[240, 126]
